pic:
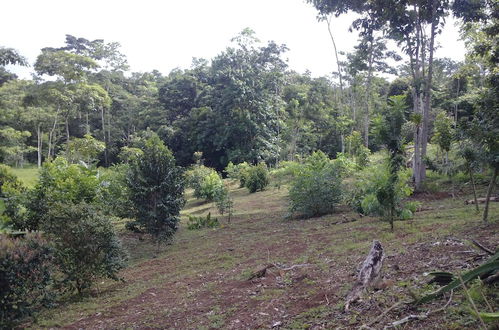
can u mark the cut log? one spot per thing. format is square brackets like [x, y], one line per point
[481, 200]
[369, 274]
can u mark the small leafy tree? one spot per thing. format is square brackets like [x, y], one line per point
[356, 149]
[390, 134]
[443, 135]
[224, 202]
[86, 245]
[156, 187]
[316, 190]
[59, 182]
[257, 178]
[86, 149]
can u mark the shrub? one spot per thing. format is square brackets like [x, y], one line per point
[25, 277]
[204, 181]
[12, 199]
[59, 182]
[317, 188]
[113, 193]
[286, 171]
[257, 178]
[156, 187]
[86, 245]
[238, 172]
[224, 201]
[369, 185]
[210, 185]
[202, 222]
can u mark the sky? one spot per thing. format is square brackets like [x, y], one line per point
[167, 34]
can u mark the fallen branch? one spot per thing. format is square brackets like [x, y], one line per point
[376, 320]
[369, 274]
[481, 200]
[483, 248]
[407, 319]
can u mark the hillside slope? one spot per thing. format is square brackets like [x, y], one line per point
[201, 279]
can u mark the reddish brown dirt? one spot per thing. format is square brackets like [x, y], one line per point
[211, 294]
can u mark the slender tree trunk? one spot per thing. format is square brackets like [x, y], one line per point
[455, 104]
[427, 90]
[489, 193]
[470, 171]
[368, 91]
[51, 135]
[66, 123]
[39, 137]
[328, 20]
[103, 120]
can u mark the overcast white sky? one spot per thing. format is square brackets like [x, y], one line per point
[166, 34]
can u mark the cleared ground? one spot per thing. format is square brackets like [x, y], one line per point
[200, 281]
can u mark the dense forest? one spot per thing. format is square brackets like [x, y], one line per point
[118, 153]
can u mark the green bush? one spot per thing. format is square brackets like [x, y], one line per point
[204, 180]
[113, 193]
[286, 171]
[202, 222]
[12, 199]
[223, 200]
[156, 188]
[86, 245]
[210, 185]
[368, 187]
[26, 266]
[59, 182]
[238, 172]
[257, 178]
[316, 190]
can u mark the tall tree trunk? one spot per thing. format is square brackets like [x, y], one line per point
[368, 90]
[66, 123]
[51, 136]
[427, 89]
[328, 20]
[103, 120]
[489, 193]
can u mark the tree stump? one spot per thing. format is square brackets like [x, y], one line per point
[369, 274]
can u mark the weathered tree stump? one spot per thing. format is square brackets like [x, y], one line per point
[369, 274]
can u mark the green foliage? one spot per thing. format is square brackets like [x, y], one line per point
[238, 172]
[444, 133]
[372, 183]
[204, 180]
[59, 182]
[316, 190]
[13, 147]
[491, 266]
[156, 188]
[357, 150]
[86, 149]
[12, 195]
[26, 269]
[202, 222]
[224, 201]
[113, 193]
[86, 245]
[286, 171]
[257, 178]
